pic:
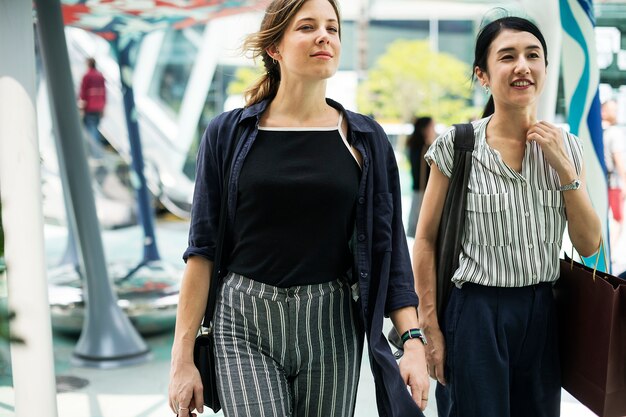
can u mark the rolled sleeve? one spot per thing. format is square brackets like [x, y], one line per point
[401, 299]
[441, 152]
[206, 199]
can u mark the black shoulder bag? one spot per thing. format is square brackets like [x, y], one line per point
[453, 217]
[203, 350]
[451, 225]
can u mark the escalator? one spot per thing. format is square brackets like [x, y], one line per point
[164, 160]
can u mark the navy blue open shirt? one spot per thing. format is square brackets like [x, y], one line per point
[381, 257]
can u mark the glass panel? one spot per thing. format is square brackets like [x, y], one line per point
[213, 106]
[381, 33]
[172, 70]
[348, 59]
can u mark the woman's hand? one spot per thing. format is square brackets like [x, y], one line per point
[435, 353]
[550, 139]
[414, 372]
[185, 389]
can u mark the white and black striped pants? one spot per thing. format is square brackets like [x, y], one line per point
[287, 352]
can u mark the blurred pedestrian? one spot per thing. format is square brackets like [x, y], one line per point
[417, 144]
[92, 101]
[314, 214]
[615, 160]
[495, 352]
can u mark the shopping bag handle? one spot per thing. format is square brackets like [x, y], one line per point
[582, 259]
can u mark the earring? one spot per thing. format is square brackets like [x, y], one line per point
[486, 87]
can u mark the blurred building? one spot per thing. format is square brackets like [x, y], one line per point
[181, 78]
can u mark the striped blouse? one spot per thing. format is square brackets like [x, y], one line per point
[515, 221]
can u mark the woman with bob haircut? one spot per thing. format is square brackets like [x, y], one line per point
[316, 253]
[495, 354]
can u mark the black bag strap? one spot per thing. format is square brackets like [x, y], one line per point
[464, 138]
[453, 217]
[221, 232]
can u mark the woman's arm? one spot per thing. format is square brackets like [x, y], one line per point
[583, 223]
[401, 299]
[185, 388]
[425, 269]
[412, 365]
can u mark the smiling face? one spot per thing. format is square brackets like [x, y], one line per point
[516, 69]
[310, 47]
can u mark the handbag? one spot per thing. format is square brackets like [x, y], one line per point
[591, 309]
[204, 359]
[204, 346]
[452, 223]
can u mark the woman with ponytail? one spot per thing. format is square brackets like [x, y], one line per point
[315, 253]
[495, 352]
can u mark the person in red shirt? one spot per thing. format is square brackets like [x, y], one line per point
[92, 100]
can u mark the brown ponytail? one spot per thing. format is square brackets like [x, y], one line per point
[266, 86]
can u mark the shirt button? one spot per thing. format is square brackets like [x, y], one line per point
[534, 276]
[363, 274]
[361, 237]
[361, 200]
[530, 246]
[526, 214]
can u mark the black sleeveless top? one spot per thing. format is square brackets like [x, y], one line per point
[295, 207]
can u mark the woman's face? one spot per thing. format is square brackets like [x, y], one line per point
[310, 47]
[516, 69]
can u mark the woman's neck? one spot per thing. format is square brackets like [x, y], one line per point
[300, 105]
[512, 124]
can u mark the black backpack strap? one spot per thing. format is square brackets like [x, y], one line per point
[221, 231]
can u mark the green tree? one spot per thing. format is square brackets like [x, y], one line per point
[244, 78]
[410, 79]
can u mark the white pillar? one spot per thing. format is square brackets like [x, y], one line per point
[22, 218]
[546, 15]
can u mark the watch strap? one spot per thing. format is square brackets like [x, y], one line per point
[414, 334]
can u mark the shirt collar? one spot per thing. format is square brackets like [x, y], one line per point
[355, 123]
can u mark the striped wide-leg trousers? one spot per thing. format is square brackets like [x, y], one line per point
[287, 352]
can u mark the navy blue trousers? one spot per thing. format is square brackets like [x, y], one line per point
[501, 353]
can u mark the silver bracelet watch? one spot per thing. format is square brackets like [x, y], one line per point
[574, 185]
